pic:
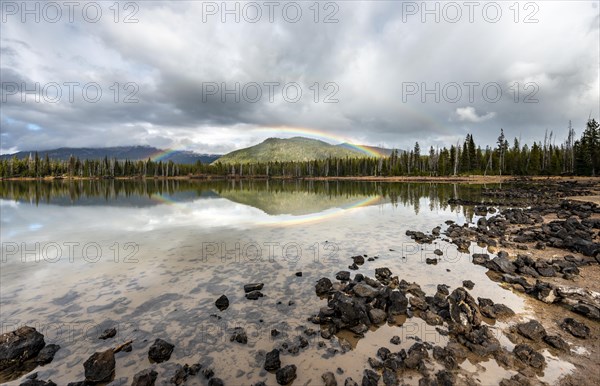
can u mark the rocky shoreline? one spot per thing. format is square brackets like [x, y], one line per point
[537, 243]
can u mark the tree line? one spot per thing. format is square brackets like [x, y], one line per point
[571, 157]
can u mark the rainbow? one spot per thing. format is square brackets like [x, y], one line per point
[161, 155]
[323, 135]
[321, 216]
[162, 199]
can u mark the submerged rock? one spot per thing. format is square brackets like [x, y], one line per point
[145, 377]
[46, 355]
[100, 367]
[222, 303]
[254, 295]
[239, 335]
[253, 287]
[108, 333]
[160, 351]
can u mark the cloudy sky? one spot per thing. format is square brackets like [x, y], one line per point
[188, 75]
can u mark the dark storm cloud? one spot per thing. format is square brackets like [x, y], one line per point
[369, 56]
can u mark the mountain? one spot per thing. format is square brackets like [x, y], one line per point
[291, 149]
[133, 153]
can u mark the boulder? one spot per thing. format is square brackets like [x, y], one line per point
[557, 342]
[100, 367]
[19, 345]
[529, 356]
[253, 287]
[532, 330]
[145, 377]
[160, 351]
[323, 286]
[575, 328]
[222, 303]
[364, 290]
[272, 361]
[46, 355]
[286, 374]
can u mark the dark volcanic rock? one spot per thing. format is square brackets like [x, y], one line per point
[575, 328]
[46, 355]
[364, 290]
[286, 374]
[100, 367]
[445, 357]
[253, 287]
[397, 303]
[445, 378]
[160, 351]
[431, 318]
[370, 378]
[145, 377]
[480, 340]
[19, 345]
[529, 356]
[329, 379]
[222, 303]
[468, 284]
[532, 330]
[239, 335]
[359, 260]
[343, 275]
[481, 258]
[501, 264]
[323, 286]
[254, 295]
[464, 311]
[108, 333]
[377, 316]
[557, 342]
[272, 361]
[416, 353]
[216, 382]
[390, 378]
[384, 275]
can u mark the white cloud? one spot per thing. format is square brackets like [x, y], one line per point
[468, 114]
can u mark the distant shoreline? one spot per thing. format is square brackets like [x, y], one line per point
[472, 179]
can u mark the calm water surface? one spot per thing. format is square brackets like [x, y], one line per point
[152, 257]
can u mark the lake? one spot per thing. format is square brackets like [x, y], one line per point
[151, 257]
